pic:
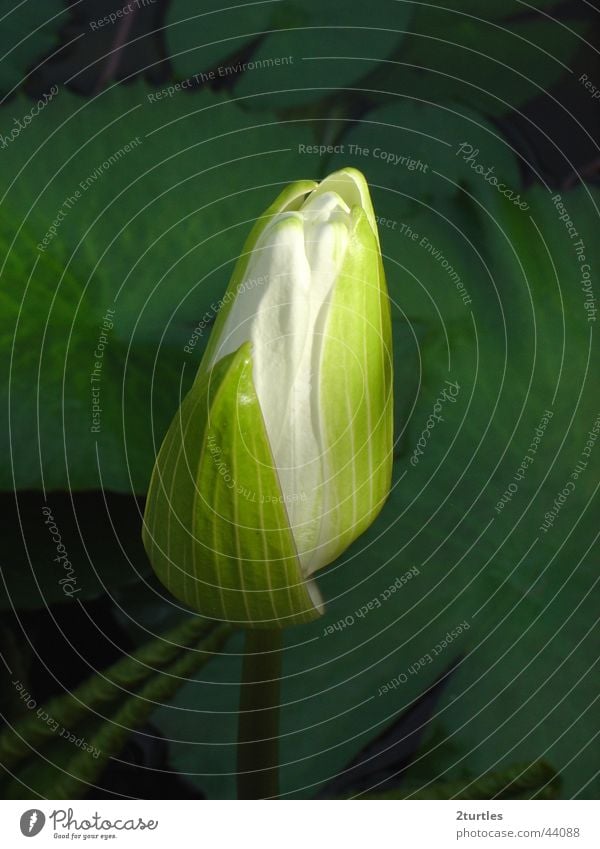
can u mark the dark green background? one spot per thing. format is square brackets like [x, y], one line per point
[155, 237]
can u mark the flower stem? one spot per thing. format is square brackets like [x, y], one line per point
[258, 731]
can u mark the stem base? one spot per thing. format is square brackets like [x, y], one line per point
[258, 730]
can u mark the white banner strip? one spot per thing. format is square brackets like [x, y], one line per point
[277, 824]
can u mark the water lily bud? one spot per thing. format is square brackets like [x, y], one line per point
[280, 455]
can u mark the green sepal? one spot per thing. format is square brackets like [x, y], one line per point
[357, 388]
[216, 528]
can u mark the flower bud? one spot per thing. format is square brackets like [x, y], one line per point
[280, 455]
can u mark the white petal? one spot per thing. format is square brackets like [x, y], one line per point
[351, 186]
[282, 308]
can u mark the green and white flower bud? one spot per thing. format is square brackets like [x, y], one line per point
[280, 455]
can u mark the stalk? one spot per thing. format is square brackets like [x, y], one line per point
[258, 730]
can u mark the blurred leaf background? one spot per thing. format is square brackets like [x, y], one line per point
[166, 129]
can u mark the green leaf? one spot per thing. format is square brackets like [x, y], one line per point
[322, 51]
[98, 691]
[199, 38]
[71, 766]
[172, 185]
[87, 544]
[487, 9]
[523, 781]
[492, 65]
[414, 152]
[28, 32]
[527, 596]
